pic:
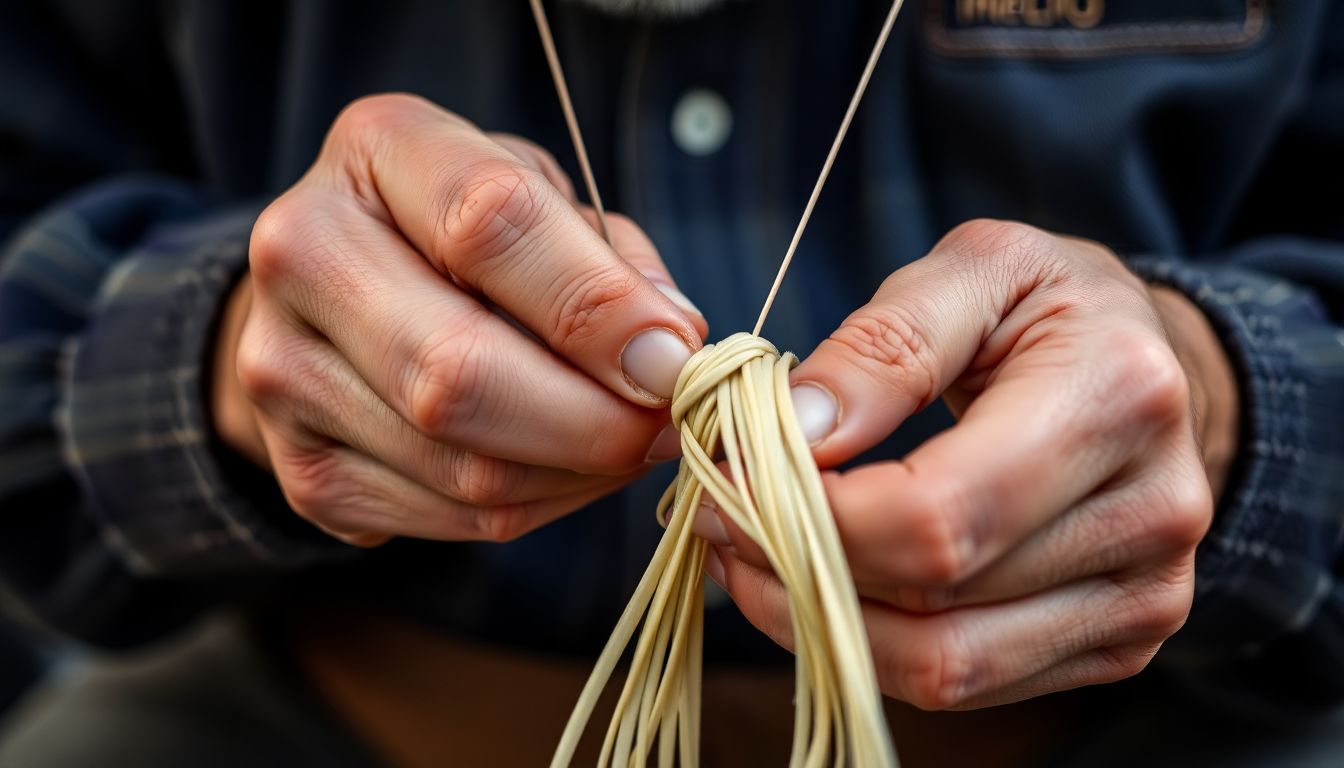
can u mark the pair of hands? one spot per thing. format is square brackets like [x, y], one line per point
[435, 342]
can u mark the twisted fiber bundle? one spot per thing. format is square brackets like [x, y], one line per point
[735, 395]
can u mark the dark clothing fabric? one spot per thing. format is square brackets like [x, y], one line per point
[1203, 139]
[19, 664]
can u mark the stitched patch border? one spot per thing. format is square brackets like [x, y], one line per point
[1136, 38]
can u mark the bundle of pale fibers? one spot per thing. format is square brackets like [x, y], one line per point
[734, 396]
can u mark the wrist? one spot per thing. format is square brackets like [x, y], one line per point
[1213, 381]
[232, 414]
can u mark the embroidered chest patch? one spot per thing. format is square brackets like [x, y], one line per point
[1091, 28]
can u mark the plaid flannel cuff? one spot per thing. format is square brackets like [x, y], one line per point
[136, 414]
[1267, 566]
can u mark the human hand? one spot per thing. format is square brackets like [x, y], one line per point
[435, 342]
[1047, 540]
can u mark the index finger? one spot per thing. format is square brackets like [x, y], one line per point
[496, 224]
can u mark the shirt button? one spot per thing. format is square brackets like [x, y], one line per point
[701, 122]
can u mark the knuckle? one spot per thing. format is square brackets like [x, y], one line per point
[260, 381]
[941, 544]
[351, 517]
[886, 340]
[501, 525]
[589, 305]
[313, 485]
[1172, 611]
[1009, 241]
[935, 675]
[281, 233]
[481, 481]
[370, 118]
[991, 254]
[262, 366]
[284, 378]
[301, 251]
[1122, 663]
[1157, 610]
[365, 130]
[1149, 371]
[887, 335]
[324, 488]
[443, 383]
[1188, 512]
[342, 512]
[490, 209]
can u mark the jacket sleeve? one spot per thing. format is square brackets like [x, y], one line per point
[121, 515]
[1268, 618]
[1267, 627]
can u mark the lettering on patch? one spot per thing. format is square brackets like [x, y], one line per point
[1079, 14]
[1092, 28]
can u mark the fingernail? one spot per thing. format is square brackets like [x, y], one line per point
[714, 566]
[709, 527]
[666, 446]
[653, 359]
[816, 409]
[677, 297]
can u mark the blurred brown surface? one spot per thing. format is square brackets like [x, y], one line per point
[421, 699]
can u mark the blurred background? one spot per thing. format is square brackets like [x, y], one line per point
[21, 664]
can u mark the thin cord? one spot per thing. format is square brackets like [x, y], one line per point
[736, 395]
[830, 160]
[571, 120]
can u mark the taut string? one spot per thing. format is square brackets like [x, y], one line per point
[830, 160]
[576, 136]
[571, 119]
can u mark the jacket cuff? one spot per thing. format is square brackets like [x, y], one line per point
[173, 500]
[1264, 569]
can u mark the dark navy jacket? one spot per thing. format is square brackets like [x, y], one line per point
[1201, 139]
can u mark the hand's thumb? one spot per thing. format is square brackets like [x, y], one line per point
[891, 358]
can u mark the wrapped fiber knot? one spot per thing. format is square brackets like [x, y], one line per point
[732, 399]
